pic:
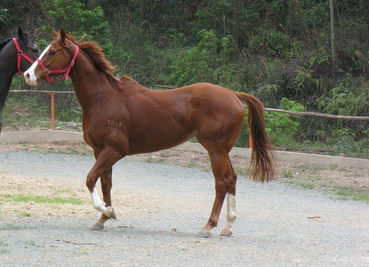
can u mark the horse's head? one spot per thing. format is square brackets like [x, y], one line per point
[27, 50]
[55, 61]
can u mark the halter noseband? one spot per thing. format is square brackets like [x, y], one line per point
[20, 55]
[64, 71]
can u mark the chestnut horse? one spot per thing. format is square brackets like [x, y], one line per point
[17, 53]
[121, 117]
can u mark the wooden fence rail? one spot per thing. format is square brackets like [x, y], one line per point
[41, 92]
[316, 114]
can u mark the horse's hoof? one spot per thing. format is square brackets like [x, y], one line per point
[204, 234]
[226, 232]
[110, 213]
[97, 227]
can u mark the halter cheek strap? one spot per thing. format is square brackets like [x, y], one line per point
[64, 71]
[20, 55]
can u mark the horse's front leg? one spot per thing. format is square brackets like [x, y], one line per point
[102, 168]
[106, 185]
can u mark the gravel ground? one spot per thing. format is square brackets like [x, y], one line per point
[161, 208]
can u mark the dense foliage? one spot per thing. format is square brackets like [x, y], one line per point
[278, 50]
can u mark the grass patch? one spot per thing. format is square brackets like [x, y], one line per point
[241, 171]
[61, 191]
[41, 199]
[349, 194]
[192, 164]
[22, 213]
[333, 167]
[11, 228]
[286, 173]
[25, 214]
[31, 243]
[313, 178]
[305, 185]
[4, 251]
[156, 160]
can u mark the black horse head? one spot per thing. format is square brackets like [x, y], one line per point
[9, 52]
[12, 61]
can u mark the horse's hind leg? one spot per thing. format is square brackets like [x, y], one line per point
[225, 182]
[231, 208]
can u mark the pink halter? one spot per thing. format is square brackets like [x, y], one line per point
[20, 55]
[64, 71]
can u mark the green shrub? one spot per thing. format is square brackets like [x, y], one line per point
[203, 62]
[272, 42]
[346, 99]
[283, 127]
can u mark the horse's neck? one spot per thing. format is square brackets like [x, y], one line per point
[8, 69]
[8, 61]
[5, 82]
[89, 83]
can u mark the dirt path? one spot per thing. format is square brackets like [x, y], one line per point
[160, 208]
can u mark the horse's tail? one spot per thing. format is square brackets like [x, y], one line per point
[262, 163]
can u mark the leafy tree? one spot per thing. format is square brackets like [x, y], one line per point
[78, 20]
[203, 61]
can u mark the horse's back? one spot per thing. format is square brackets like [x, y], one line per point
[215, 96]
[198, 93]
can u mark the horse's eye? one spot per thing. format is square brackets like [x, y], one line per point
[52, 53]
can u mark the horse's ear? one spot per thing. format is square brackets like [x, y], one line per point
[63, 35]
[20, 33]
[55, 33]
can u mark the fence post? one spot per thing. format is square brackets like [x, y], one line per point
[52, 111]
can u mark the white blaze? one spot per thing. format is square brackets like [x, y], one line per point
[30, 74]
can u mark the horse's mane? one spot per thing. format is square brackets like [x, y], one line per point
[127, 78]
[95, 54]
[7, 40]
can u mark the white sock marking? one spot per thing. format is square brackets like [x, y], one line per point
[231, 210]
[97, 202]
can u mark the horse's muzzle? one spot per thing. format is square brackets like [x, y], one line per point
[30, 81]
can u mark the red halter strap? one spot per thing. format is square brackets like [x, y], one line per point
[20, 55]
[64, 71]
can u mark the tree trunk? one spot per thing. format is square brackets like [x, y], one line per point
[143, 11]
[236, 21]
[333, 37]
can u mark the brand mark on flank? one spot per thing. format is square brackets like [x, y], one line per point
[115, 123]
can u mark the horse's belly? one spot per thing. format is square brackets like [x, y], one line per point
[155, 142]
